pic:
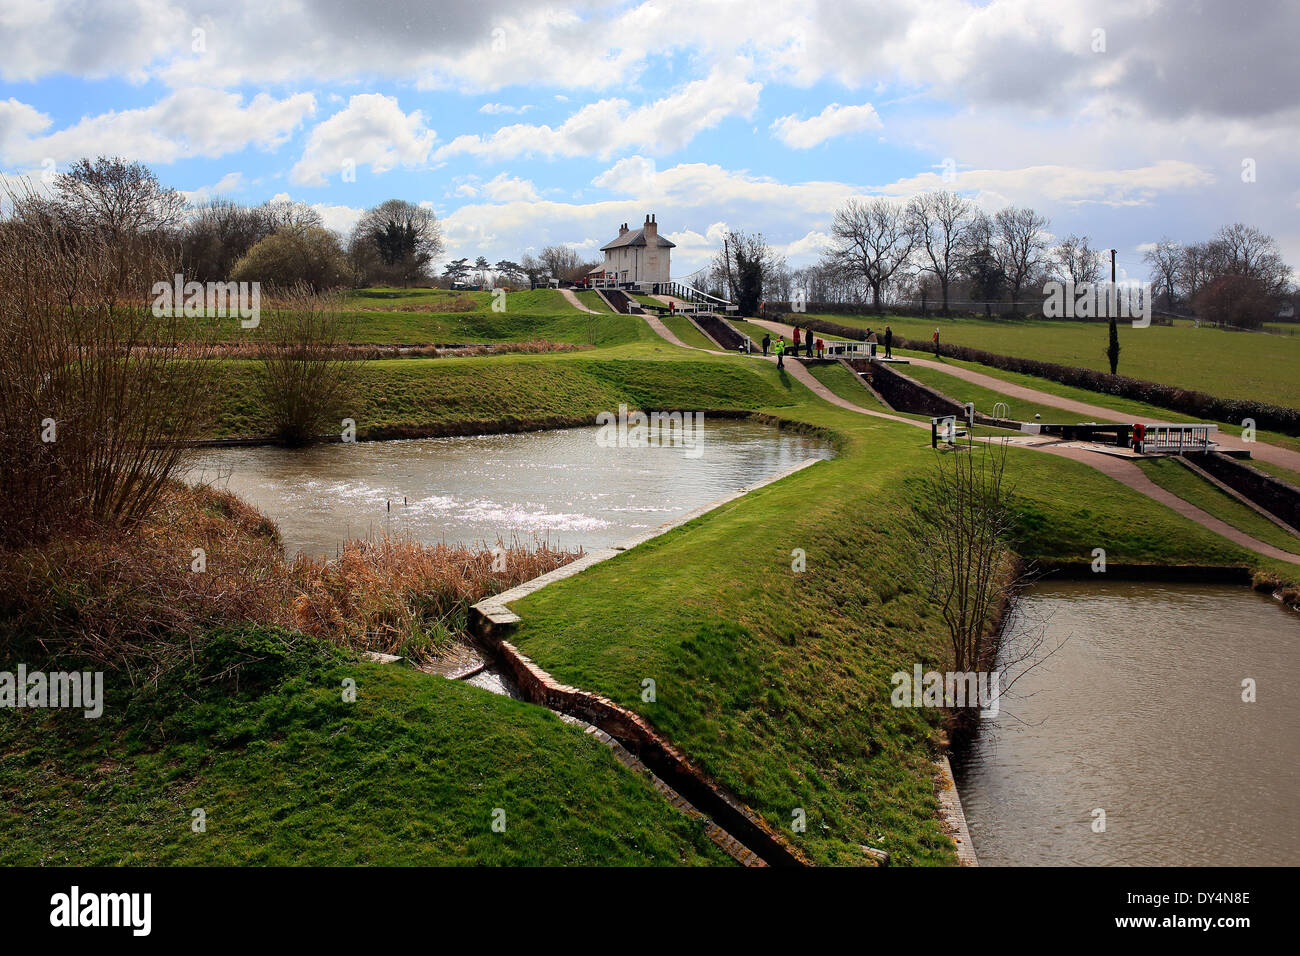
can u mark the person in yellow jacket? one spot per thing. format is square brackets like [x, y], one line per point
[779, 349]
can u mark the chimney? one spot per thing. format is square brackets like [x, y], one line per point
[651, 227]
[622, 230]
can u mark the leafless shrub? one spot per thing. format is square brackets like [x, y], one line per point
[306, 377]
[964, 522]
[94, 387]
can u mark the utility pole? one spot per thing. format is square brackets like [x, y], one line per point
[1112, 306]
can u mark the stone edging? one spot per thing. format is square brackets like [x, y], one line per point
[952, 814]
[491, 620]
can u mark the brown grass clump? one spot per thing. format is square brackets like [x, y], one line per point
[133, 600]
[460, 303]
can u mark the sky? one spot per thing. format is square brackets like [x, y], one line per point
[526, 124]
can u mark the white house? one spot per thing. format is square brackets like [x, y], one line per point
[636, 256]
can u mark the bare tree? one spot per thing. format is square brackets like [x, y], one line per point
[116, 197]
[942, 221]
[563, 263]
[287, 214]
[98, 389]
[963, 524]
[1241, 250]
[874, 239]
[1019, 244]
[217, 234]
[1195, 269]
[1164, 258]
[1076, 260]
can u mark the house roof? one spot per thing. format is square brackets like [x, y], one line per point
[636, 237]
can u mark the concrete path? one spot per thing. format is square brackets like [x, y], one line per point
[1121, 470]
[574, 301]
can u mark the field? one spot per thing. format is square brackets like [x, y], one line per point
[1229, 364]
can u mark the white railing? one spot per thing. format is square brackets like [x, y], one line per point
[1177, 438]
[843, 349]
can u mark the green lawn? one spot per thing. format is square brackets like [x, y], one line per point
[409, 774]
[1227, 364]
[592, 300]
[985, 398]
[423, 396]
[847, 385]
[382, 316]
[682, 327]
[1191, 487]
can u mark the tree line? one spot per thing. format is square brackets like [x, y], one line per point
[940, 250]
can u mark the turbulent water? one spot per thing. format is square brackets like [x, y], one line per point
[1140, 714]
[558, 486]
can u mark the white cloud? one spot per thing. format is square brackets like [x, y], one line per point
[371, 131]
[229, 183]
[187, 123]
[834, 120]
[492, 109]
[610, 125]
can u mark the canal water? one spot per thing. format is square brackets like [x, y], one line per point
[1139, 713]
[561, 487]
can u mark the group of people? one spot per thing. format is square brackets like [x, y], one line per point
[805, 342]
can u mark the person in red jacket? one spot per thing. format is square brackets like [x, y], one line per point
[820, 346]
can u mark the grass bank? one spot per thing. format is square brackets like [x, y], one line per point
[408, 397]
[1191, 487]
[260, 738]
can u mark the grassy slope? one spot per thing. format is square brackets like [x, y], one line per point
[682, 327]
[986, 398]
[518, 390]
[374, 316]
[592, 300]
[409, 774]
[1189, 486]
[1230, 364]
[1277, 471]
[776, 682]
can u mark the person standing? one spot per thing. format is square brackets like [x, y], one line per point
[820, 346]
[889, 342]
[767, 343]
[796, 340]
[808, 339]
[780, 352]
[935, 338]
